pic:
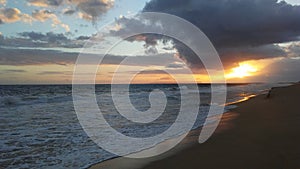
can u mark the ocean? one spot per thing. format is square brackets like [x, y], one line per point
[39, 127]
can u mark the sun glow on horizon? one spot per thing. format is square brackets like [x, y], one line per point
[243, 70]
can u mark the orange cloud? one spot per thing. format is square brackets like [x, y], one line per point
[2, 2]
[43, 15]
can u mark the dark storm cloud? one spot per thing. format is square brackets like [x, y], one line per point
[239, 29]
[236, 22]
[229, 56]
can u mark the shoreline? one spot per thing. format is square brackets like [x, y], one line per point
[226, 125]
[190, 140]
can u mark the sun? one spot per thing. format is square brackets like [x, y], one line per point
[243, 70]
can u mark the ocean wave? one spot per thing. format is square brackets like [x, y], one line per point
[10, 100]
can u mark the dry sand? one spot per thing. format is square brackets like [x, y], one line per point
[265, 135]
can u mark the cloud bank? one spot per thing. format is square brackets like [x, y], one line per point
[43, 40]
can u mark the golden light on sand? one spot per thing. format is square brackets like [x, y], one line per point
[243, 70]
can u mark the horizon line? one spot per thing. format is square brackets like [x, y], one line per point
[234, 83]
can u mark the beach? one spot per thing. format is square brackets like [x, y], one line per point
[262, 133]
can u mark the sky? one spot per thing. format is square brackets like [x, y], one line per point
[40, 40]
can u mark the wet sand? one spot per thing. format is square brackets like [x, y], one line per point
[265, 134]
